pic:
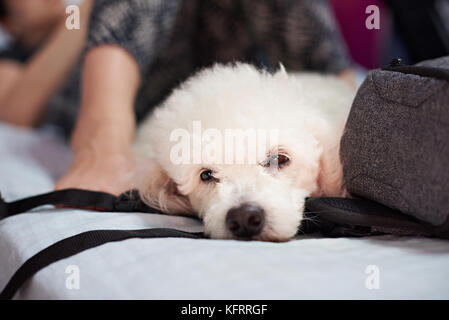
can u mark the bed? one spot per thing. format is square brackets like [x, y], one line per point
[308, 267]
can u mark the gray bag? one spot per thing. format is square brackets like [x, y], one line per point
[395, 148]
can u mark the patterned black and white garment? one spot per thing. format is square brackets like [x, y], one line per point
[170, 39]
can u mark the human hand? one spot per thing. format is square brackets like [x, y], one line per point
[104, 133]
[106, 171]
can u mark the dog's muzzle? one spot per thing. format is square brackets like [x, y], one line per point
[246, 220]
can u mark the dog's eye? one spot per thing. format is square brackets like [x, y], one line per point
[206, 175]
[277, 161]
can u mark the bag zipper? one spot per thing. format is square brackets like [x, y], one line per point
[396, 65]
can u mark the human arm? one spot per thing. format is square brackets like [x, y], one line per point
[103, 136]
[26, 88]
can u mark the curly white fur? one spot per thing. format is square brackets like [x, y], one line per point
[308, 111]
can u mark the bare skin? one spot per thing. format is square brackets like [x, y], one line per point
[103, 137]
[104, 133]
[26, 88]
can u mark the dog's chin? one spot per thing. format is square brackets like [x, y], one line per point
[267, 235]
[276, 229]
[272, 236]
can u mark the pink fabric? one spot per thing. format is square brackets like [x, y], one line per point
[365, 46]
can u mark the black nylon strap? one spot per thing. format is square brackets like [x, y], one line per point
[69, 197]
[126, 202]
[77, 198]
[341, 217]
[81, 242]
[428, 72]
[334, 217]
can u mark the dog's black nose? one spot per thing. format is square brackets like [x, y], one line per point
[246, 220]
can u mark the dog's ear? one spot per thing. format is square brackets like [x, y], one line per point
[158, 190]
[330, 176]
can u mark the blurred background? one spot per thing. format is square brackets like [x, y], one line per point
[328, 36]
[414, 30]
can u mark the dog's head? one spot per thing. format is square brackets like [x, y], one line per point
[217, 148]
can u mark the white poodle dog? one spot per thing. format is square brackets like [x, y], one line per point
[242, 149]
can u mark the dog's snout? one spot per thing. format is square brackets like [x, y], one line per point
[246, 220]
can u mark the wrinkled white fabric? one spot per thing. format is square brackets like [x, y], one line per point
[305, 268]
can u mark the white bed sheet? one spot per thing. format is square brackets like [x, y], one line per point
[305, 268]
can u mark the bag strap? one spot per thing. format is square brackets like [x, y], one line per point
[342, 217]
[396, 65]
[73, 245]
[335, 217]
[129, 201]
